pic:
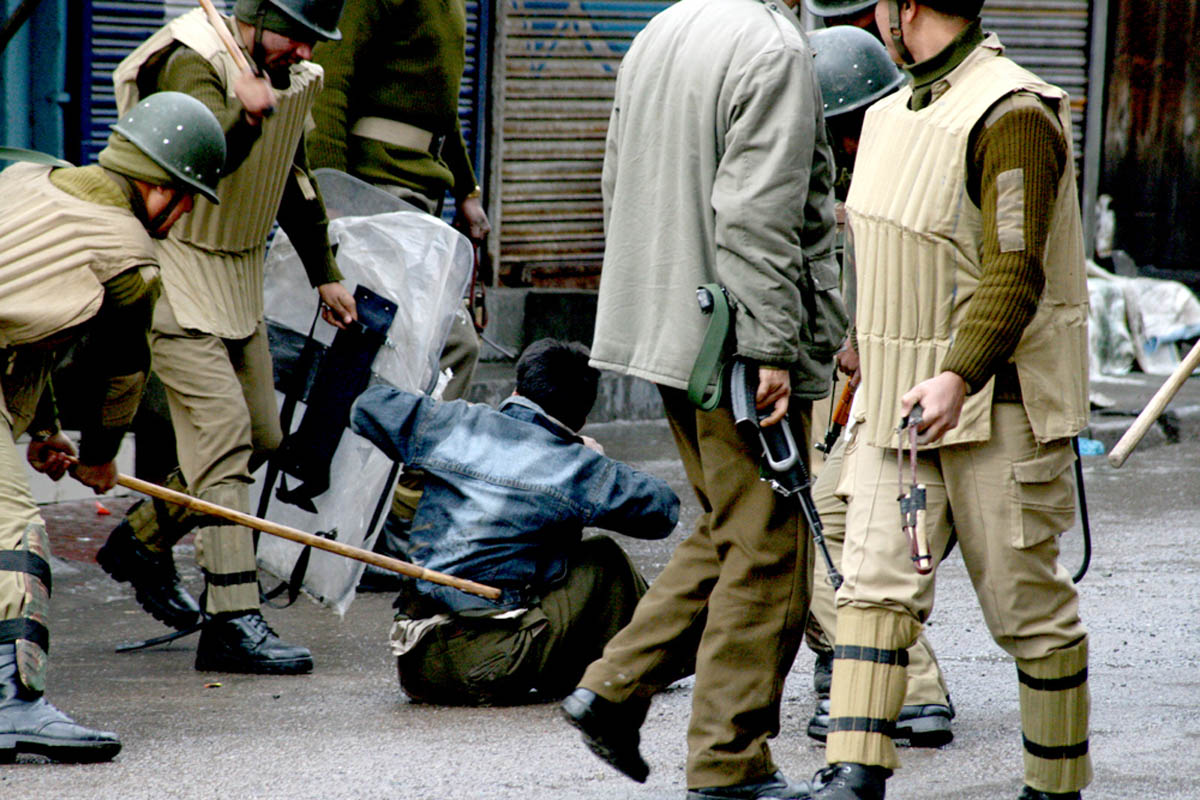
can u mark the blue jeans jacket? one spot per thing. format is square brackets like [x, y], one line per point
[509, 492]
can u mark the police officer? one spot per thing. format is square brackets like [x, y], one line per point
[972, 303]
[78, 269]
[854, 71]
[209, 339]
[859, 13]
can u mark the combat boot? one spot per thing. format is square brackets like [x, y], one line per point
[153, 576]
[610, 730]
[30, 725]
[1033, 794]
[776, 787]
[244, 642]
[847, 781]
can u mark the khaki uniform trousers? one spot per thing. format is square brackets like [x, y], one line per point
[485, 661]
[926, 684]
[221, 393]
[22, 595]
[730, 604]
[1009, 498]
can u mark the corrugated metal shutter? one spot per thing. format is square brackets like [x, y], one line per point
[556, 70]
[117, 27]
[1050, 38]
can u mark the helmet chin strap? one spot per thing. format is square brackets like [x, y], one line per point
[898, 33]
[153, 227]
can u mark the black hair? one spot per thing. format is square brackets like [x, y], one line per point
[555, 375]
[968, 9]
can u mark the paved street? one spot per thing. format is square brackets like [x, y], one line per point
[348, 732]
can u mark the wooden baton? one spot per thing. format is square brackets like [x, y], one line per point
[300, 537]
[1155, 407]
[227, 39]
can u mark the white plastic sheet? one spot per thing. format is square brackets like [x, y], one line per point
[421, 264]
[1137, 321]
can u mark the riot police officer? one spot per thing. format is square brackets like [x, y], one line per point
[78, 268]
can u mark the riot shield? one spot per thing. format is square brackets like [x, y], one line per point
[409, 271]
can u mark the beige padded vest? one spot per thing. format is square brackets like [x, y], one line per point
[918, 240]
[213, 259]
[56, 252]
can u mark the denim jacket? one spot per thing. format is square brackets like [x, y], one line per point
[509, 492]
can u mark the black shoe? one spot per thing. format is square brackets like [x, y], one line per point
[29, 724]
[823, 674]
[920, 726]
[1033, 794]
[846, 781]
[155, 582]
[609, 729]
[776, 787]
[925, 726]
[246, 643]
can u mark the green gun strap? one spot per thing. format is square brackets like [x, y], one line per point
[34, 156]
[710, 362]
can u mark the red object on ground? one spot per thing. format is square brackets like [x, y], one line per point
[101, 510]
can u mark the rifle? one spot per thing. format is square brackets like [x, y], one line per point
[784, 469]
[839, 418]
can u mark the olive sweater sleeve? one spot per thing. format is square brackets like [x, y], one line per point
[1016, 160]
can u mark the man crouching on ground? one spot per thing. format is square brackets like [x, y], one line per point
[508, 496]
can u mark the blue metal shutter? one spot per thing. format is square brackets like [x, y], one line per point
[473, 93]
[112, 29]
[556, 69]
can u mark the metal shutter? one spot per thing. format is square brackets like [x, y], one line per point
[112, 29]
[556, 69]
[1049, 38]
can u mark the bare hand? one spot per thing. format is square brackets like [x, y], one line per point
[472, 220]
[53, 457]
[99, 477]
[337, 304]
[847, 359]
[941, 400]
[256, 96]
[774, 389]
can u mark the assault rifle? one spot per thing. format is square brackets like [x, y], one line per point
[783, 467]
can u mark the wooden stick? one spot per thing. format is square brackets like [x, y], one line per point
[1155, 407]
[285, 532]
[231, 45]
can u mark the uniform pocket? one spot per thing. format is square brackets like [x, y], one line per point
[1046, 490]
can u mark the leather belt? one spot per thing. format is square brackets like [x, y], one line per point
[400, 134]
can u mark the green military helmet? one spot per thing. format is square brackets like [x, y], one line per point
[837, 8]
[960, 8]
[179, 134]
[853, 68]
[317, 18]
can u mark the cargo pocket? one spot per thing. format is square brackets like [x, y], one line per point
[1046, 491]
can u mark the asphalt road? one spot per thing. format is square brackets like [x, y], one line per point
[347, 731]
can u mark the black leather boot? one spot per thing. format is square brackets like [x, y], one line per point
[776, 787]
[153, 577]
[1033, 794]
[29, 724]
[245, 643]
[847, 781]
[610, 730]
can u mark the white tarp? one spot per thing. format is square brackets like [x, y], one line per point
[1137, 321]
[421, 264]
